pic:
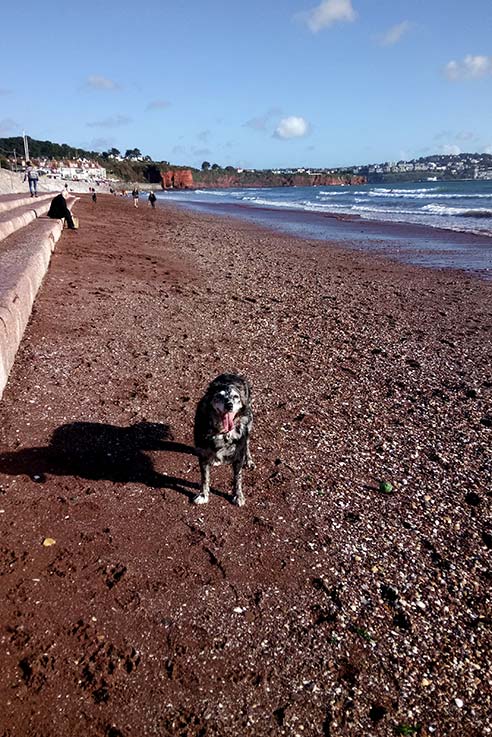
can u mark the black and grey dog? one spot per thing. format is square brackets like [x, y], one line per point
[223, 423]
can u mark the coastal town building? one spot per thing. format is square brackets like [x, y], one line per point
[82, 170]
[437, 166]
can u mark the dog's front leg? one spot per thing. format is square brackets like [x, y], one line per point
[237, 484]
[202, 497]
[249, 460]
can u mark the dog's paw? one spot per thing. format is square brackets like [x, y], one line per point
[200, 499]
[250, 464]
[239, 500]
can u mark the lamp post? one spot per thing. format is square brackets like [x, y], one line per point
[26, 146]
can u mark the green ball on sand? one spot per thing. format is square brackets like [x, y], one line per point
[386, 487]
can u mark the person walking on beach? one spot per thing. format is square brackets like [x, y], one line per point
[152, 199]
[32, 177]
[94, 196]
[135, 197]
[59, 209]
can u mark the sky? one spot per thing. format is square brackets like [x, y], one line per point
[258, 84]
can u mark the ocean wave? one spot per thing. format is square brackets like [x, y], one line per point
[401, 191]
[271, 203]
[464, 212]
[456, 196]
[429, 194]
[479, 213]
[386, 210]
[410, 195]
[322, 193]
[215, 192]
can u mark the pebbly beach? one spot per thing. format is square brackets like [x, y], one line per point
[331, 604]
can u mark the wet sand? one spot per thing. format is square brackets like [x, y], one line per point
[324, 606]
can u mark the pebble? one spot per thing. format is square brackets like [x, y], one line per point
[458, 703]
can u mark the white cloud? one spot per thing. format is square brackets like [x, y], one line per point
[395, 33]
[7, 125]
[97, 82]
[471, 67]
[464, 136]
[327, 13]
[262, 122]
[292, 127]
[442, 135]
[158, 105]
[197, 151]
[451, 149]
[99, 144]
[114, 121]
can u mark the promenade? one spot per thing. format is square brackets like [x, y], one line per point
[324, 606]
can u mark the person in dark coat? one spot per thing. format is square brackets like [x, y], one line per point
[59, 209]
[152, 199]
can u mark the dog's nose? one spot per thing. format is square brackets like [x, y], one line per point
[228, 405]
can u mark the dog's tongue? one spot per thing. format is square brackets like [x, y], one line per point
[228, 421]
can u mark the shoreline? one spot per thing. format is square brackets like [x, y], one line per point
[324, 602]
[416, 244]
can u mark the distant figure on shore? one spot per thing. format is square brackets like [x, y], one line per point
[32, 177]
[94, 196]
[135, 194]
[152, 199]
[59, 210]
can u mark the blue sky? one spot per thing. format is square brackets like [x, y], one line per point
[255, 84]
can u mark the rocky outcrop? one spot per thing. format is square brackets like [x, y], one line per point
[184, 179]
[177, 179]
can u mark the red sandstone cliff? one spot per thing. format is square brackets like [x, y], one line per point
[183, 179]
[177, 179]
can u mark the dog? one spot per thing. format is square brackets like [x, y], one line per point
[223, 423]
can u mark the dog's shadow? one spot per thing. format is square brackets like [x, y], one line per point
[100, 451]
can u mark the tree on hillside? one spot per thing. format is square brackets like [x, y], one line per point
[114, 152]
[215, 167]
[133, 153]
[206, 166]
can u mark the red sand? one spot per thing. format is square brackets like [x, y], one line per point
[324, 606]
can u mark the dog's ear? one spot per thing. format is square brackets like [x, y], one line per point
[246, 389]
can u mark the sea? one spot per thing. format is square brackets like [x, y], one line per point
[440, 224]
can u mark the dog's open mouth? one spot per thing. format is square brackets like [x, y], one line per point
[228, 421]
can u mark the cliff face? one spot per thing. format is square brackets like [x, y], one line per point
[317, 180]
[177, 179]
[184, 179]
